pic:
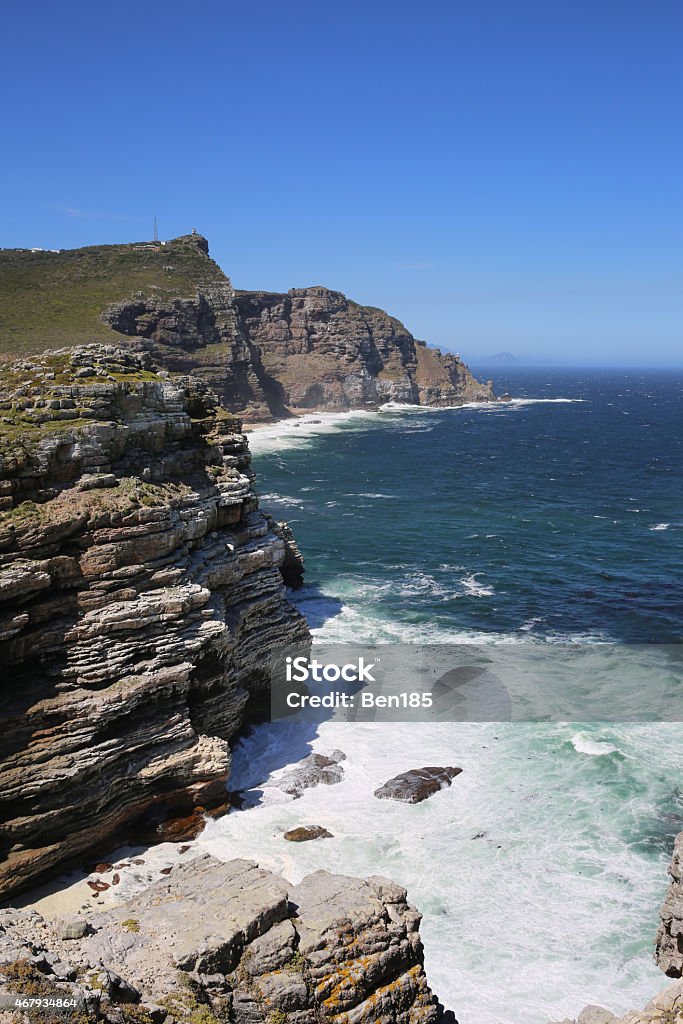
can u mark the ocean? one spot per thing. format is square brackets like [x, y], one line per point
[556, 517]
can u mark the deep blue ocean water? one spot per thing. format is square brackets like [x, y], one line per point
[541, 871]
[570, 514]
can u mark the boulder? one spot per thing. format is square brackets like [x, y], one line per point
[417, 784]
[304, 833]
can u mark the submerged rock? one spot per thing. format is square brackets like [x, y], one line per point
[304, 833]
[416, 785]
[314, 770]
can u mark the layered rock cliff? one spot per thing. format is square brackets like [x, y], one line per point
[231, 942]
[327, 352]
[140, 596]
[267, 355]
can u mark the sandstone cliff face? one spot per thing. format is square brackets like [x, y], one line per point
[217, 942]
[327, 352]
[140, 595]
[200, 333]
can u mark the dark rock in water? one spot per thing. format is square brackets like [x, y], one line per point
[304, 833]
[312, 771]
[101, 869]
[99, 886]
[416, 785]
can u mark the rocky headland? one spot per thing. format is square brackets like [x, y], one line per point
[142, 596]
[266, 355]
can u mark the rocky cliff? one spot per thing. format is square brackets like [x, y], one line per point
[266, 355]
[140, 596]
[231, 942]
[327, 352]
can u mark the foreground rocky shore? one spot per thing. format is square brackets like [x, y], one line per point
[218, 942]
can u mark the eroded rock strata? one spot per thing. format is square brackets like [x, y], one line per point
[327, 352]
[232, 942]
[140, 600]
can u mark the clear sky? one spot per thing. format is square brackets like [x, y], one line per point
[500, 174]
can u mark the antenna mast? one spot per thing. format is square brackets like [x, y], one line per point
[156, 232]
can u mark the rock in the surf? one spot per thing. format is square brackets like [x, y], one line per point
[305, 833]
[312, 771]
[417, 785]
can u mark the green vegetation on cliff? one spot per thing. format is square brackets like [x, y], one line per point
[52, 299]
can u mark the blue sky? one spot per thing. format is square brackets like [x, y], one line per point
[501, 176]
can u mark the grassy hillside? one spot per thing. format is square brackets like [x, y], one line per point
[52, 299]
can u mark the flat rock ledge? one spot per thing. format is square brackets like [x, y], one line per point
[417, 785]
[232, 942]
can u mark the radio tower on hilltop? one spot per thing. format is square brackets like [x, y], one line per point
[156, 231]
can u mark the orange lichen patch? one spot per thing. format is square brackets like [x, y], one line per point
[386, 1000]
[340, 987]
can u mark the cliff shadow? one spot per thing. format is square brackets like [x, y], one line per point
[316, 606]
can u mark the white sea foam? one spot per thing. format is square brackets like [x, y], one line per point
[518, 828]
[280, 499]
[583, 743]
[473, 588]
[299, 431]
[661, 526]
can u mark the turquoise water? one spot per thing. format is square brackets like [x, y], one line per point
[540, 872]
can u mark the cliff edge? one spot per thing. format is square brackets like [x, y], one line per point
[140, 596]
